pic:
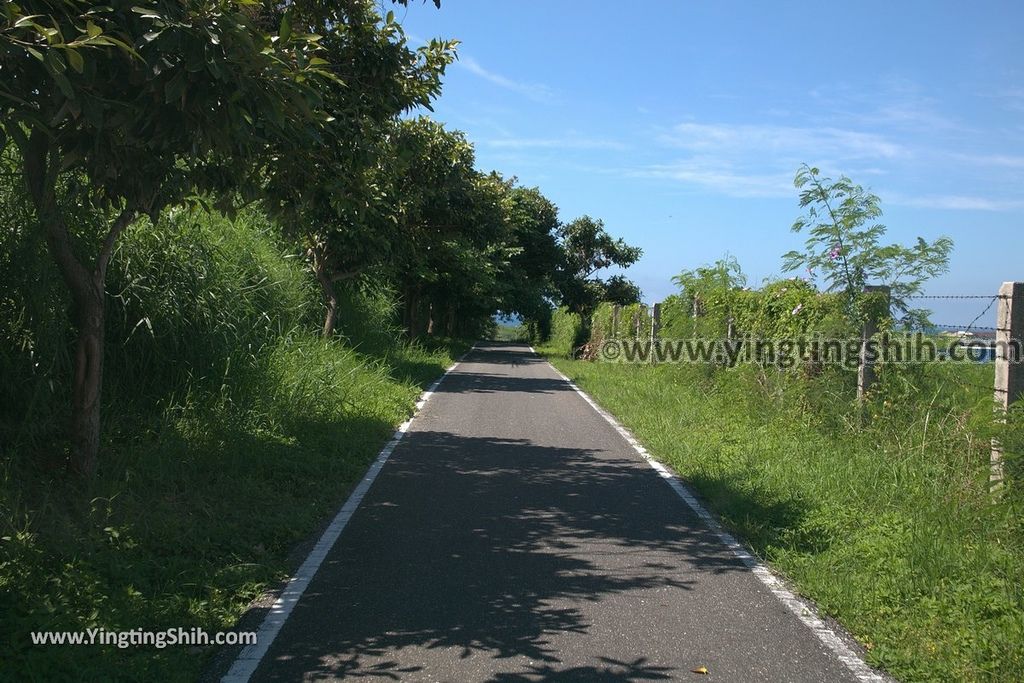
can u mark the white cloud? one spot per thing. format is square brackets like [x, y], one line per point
[535, 91]
[555, 143]
[957, 202]
[721, 177]
[1000, 160]
[760, 160]
[773, 142]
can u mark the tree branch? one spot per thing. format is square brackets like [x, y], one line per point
[123, 220]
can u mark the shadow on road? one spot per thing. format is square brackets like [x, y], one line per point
[482, 545]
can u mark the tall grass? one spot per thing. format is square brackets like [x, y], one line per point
[566, 329]
[889, 527]
[230, 432]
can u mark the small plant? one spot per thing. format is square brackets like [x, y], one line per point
[844, 246]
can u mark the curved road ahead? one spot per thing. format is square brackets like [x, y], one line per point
[514, 535]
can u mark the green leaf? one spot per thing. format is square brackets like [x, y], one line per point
[285, 32]
[92, 29]
[75, 59]
[146, 13]
[390, 18]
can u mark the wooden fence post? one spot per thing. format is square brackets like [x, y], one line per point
[616, 314]
[866, 375]
[1009, 386]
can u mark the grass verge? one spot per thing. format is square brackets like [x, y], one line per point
[193, 515]
[888, 528]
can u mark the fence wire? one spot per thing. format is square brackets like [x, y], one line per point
[991, 298]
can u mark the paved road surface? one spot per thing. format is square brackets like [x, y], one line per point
[515, 536]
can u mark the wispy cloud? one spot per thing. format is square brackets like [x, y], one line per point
[721, 177]
[535, 91]
[1000, 160]
[956, 202]
[760, 160]
[556, 143]
[782, 141]
[894, 103]
[1012, 97]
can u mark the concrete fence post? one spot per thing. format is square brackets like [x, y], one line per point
[866, 375]
[655, 328]
[1009, 384]
[616, 314]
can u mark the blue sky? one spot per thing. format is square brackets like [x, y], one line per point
[682, 124]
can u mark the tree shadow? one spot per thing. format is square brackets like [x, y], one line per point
[764, 519]
[613, 671]
[493, 383]
[475, 545]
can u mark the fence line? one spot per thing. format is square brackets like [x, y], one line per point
[1009, 367]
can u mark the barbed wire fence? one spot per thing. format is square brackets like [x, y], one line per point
[1004, 353]
[966, 330]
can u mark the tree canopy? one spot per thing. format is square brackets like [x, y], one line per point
[307, 109]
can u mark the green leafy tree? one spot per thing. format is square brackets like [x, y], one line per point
[587, 249]
[436, 192]
[844, 248]
[128, 108]
[335, 196]
[620, 290]
[528, 282]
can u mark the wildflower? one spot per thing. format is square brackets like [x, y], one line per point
[835, 252]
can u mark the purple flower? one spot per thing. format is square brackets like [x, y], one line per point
[835, 252]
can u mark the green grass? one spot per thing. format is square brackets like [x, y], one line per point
[511, 333]
[230, 433]
[888, 527]
[195, 517]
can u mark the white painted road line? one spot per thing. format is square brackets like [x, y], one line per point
[250, 657]
[803, 611]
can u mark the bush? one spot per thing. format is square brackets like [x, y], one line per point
[632, 318]
[566, 328]
[781, 309]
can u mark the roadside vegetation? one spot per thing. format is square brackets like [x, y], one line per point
[232, 253]
[880, 512]
[889, 528]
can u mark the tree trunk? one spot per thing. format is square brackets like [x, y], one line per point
[413, 303]
[430, 319]
[330, 297]
[87, 382]
[86, 287]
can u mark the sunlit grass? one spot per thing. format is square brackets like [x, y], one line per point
[888, 527]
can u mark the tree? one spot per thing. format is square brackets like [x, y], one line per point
[335, 196]
[587, 249]
[528, 282]
[438, 196]
[843, 245]
[130, 108]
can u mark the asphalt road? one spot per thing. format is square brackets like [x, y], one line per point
[514, 535]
